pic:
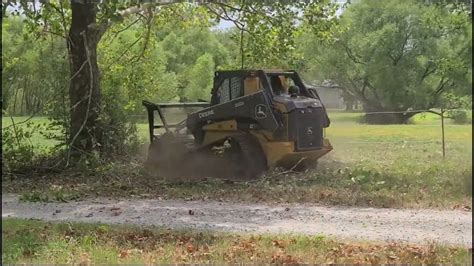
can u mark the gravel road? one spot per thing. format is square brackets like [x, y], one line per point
[414, 226]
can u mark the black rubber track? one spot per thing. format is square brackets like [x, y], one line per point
[253, 161]
[246, 160]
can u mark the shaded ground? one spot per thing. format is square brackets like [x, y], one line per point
[415, 226]
[445, 185]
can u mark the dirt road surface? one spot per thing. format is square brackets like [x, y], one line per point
[414, 226]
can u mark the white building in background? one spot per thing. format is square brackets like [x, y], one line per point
[331, 97]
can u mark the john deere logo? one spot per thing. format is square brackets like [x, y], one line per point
[260, 111]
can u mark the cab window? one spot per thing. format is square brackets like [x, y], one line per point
[230, 89]
[236, 89]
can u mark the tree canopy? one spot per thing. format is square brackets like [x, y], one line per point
[91, 32]
[397, 56]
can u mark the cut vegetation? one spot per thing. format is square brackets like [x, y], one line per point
[371, 165]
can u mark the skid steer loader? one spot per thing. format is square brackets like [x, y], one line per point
[256, 120]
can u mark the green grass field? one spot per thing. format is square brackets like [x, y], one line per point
[371, 165]
[344, 126]
[36, 242]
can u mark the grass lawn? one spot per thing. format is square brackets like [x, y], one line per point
[28, 241]
[371, 165]
[344, 126]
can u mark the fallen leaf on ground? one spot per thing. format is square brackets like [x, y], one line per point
[123, 254]
[190, 248]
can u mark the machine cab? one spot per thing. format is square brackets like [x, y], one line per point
[299, 109]
[229, 85]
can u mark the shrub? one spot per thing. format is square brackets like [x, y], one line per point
[459, 116]
[17, 147]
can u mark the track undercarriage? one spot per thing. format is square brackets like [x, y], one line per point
[177, 156]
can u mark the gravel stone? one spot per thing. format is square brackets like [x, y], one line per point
[452, 227]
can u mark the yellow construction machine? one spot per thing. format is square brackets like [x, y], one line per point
[256, 120]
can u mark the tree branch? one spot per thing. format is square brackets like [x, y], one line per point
[397, 58]
[358, 91]
[374, 90]
[428, 72]
[124, 52]
[105, 24]
[148, 32]
[441, 84]
[237, 24]
[54, 33]
[351, 55]
[116, 33]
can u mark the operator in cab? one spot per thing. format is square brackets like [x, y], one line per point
[279, 89]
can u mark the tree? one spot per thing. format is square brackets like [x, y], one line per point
[201, 77]
[266, 30]
[182, 48]
[16, 63]
[83, 24]
[397, 56]
[31, 77]
[134, 78]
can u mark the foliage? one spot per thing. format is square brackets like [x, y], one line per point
[183, 47]
[34, 77]
[131, 77]
[201, 79]
[97, 126]
[56, 194]
[396, 55]
[459, 116]
[266, 31]
[33, 81]
[18, 149]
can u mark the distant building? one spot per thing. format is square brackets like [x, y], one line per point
[331, 96]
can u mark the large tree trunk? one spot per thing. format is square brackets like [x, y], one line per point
[349, 101]
[84, 88]
[349, 105]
